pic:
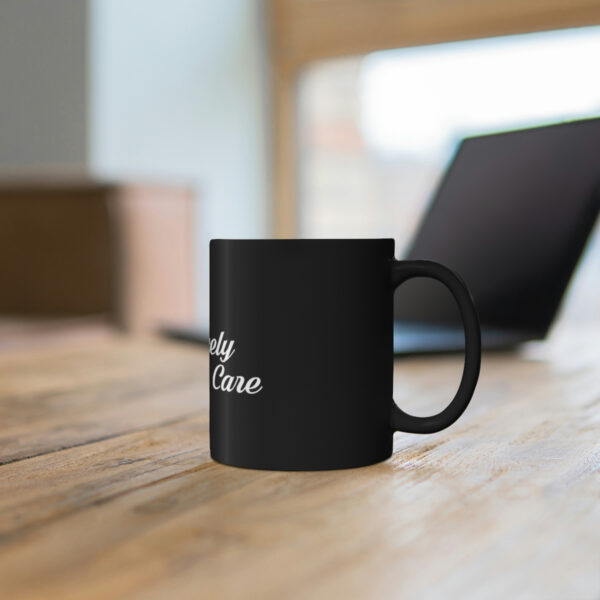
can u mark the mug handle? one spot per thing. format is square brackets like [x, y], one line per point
[401, 271]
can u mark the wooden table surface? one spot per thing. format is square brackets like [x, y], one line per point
[107, 489]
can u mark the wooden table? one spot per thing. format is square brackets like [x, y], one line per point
[107, 489]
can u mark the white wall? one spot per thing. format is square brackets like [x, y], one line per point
[178, 90]
[43, 91]
[151, 89]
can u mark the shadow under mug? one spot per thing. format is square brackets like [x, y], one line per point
[301, 352]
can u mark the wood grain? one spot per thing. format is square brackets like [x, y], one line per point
[506, 503]
[105, 391]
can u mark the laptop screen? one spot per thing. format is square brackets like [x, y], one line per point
[511, 216]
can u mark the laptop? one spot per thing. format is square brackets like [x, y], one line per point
[511, 215]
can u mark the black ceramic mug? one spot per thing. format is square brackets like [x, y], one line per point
[301, 356]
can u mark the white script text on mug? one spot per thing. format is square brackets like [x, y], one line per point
[220, 380]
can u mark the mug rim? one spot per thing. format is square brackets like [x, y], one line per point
[303, 240]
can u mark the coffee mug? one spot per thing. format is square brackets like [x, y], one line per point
[301, 352]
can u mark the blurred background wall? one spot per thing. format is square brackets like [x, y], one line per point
[143, 90]
[44, 95]
[286, 118]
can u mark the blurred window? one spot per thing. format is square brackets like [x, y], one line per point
[376, 132]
